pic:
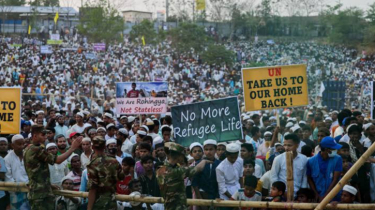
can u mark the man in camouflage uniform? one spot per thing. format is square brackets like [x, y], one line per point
[36, 163]
[171, 177]
[103, 172]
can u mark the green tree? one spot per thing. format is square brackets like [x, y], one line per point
[146, 29]
[188, 36]
[346, 26]
[370, 13]
[46, 3]
[218, 54]
[12, 2]
[100, 22]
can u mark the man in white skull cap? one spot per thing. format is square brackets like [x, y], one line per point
[57, 171]
[229, 172]
[16, 171]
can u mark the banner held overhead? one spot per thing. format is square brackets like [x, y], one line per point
[141, 97]
[275, 87]
[217, 119]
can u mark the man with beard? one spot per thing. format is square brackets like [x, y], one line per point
[60, 127]
[61, 144]
[57, 171]
[16, 172]
[76, 173]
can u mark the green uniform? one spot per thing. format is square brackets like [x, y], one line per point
[36, 163]
[103, 173]
[172, 187]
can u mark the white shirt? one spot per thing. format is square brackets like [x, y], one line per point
[15, 168]
[266, 180]
[278, 171]
[57, 172]
[84, 160]
[339, 130]
[228, 176]
[127, 146]
[301, 144]
[77, 128]
[257, 171]
[345, 139]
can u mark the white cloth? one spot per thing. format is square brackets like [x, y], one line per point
[16, 171]
[127, 146]
[69, 203]
[266, 180]
[345, 139]
[258, 171]
[241, 196]
[228, 176]
[339, 131]
[84, 160]
[77, 128]
[301, 144]
[278, 171]
[57, 172]
[262, 149]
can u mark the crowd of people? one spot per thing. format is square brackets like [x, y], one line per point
[69, 108]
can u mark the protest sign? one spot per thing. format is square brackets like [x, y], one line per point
[274, 87]
[46, 49]
[98, 46]
[50, 41]
[90, 56]
[217, 119]
[141, 97]
[10, 110]
[55, 36]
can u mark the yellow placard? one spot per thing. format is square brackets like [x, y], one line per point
[274, 87]
[50, 41]
[201, 4]
[10, 110]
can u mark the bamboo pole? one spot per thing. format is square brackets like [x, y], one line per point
[10, 186]
[289, 176]
[346, 177]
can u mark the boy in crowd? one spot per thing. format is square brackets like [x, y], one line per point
[277, 191]
[204, 183]
[247, 153]
[148, 180]
[248, 193]
[196, 151]
[122, 187]
[144, 149]
[220, 152]
[305, 195]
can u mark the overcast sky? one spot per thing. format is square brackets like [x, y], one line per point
[155, 5]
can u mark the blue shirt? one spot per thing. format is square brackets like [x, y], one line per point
[323, 165]
[206, 180]
[3, 169]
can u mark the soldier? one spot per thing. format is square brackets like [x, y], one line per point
[171, 177]
[103, 172]
[36, 163]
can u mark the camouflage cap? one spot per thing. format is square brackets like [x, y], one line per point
[171, 146]
[98, 141]
[36, 128]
